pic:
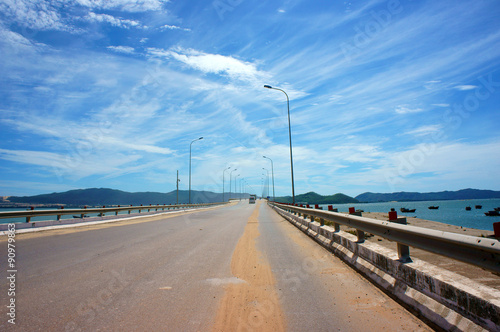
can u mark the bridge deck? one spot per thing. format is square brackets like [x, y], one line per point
[187, 272]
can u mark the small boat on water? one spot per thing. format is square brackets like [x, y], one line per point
[493, 213]
[468, 208]
[405, 210]
[497, 209]
[479, 207]
[433, 207]
[85, 216]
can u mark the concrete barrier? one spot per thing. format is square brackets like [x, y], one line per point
[449, 300]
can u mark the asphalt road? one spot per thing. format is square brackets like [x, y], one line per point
[171, 273]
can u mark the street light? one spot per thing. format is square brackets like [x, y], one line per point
[289, 135]
[236, 184]
[267, 181]
[190, 166]
[241, 186]
[230, 179]
[272, 173]
[224, 171]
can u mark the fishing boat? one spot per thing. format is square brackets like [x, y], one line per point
[468, 208]
[493, 213]
[405, 210]
[433, 207]
[479, 207]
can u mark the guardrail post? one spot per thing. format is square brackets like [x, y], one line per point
[28, 219]
[59, 215]
[321, 220]
[331, 209]
[353, 211]
[403, 249]
[336, 227]
[361, 236]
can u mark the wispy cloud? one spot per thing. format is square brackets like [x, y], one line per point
[406, 109]
[122, 49]
[173, 27]
[425, 130]
[465, 87]
[124, 5]
[115, 21]
[207, 63]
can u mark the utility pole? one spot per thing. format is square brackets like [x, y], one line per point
[178, 187]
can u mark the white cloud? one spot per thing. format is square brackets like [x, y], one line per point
[46, 14]
[39, 15]
[118, 22]
[425, 130]
[122, 49]
[173, 27]
[465, 87]
[441, 105]
[405, 109]
[124, 5]
[215, 64]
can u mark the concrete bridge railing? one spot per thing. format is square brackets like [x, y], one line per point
[449, 300]
[58, 213]
[483, 252]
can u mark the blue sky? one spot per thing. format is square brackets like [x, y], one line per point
[384, 95]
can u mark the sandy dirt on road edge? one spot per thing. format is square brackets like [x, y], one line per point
[253, 304]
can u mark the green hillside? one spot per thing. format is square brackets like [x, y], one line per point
[314, 198]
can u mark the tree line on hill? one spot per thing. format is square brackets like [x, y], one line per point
[432, 196]
[105, 196]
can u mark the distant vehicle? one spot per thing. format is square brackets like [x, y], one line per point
[251, 199]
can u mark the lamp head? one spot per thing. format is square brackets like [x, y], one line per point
[268, 86]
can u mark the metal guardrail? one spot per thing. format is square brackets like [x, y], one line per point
[483, 252]
[103, 211]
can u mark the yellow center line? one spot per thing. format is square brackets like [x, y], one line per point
[253, 305]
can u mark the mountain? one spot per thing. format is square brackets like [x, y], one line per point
[433, 196]
[314, 198]
[105, 196]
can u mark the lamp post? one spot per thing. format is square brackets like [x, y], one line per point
[224, 171]
[178, 187]
[190, 145]
[272, 173]
[289, 136]
[230, 179]
[266, 181]
[241, 186]
[236, 184]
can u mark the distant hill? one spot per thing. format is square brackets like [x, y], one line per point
[433, 196]
[105, 196]
[314, 198]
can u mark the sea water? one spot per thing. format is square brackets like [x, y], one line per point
[53, 217]
[450, 212]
